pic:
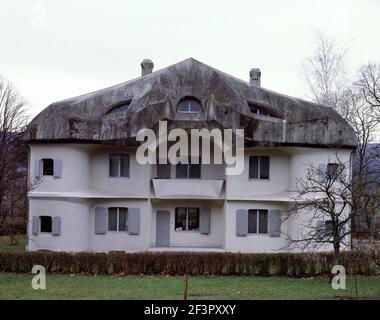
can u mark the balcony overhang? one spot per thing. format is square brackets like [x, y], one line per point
[187, 188]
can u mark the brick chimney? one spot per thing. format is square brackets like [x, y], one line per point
[146, 67]
[255, 77]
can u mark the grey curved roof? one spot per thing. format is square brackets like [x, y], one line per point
[224, 99]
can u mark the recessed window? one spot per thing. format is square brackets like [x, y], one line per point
[188, 170]
[189, 105]
[47, 167]
[120, 107]
[257, 109]
[45, 224]
[119, 165]
[259, 167]
[117, 219]
[258, 221]
[187, 219]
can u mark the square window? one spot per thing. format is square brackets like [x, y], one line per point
[187, 219]
[258, 221]
[259, 167]
[119, 165]
[117, 219]
[45, 224]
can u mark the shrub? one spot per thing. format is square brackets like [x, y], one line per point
[179, 263]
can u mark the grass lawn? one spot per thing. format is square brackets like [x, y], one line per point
[18, 286]
[5, 245]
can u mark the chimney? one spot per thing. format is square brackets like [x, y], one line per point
[255, 77]
[146, 67]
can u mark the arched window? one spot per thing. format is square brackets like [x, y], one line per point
[120, 107]
[189, 105]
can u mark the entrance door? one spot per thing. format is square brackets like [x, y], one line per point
[163, 228]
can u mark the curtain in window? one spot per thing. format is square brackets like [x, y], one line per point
[253, 167]
[264, 167]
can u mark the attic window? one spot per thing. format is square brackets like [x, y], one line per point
[189, 105]
[256, 109]
[120, 107]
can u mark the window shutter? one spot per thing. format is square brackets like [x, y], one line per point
[37, 168]
[204, 221]
[56, 226]
[275, 223]
[134, 221]
[241, 222]
[320, 230]
[322, 171]
[35, 225]
[100, 220]
[57, 168]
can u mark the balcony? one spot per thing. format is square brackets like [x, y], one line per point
[187, 188]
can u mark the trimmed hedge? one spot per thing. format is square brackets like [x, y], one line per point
[179, 263]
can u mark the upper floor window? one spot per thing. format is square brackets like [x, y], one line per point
[120, 107]
[117, 219]
[186, 219]
[258, 221]
[259, 167]
[189, 170]
[46, 224]
[333, 170]
[47, 167]
[119, 165]
[189, 105]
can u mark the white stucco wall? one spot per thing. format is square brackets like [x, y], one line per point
[75, 226]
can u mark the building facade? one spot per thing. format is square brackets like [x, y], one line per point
[89, 193]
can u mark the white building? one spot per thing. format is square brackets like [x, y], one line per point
[92, 195]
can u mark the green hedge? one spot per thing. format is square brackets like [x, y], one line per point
[170, 263]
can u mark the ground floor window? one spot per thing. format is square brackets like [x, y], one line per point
[45, 224]
[186, 219]
[258, 221]
[117, 219]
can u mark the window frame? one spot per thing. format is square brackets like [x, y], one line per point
[40, 225]
[119, 155]
[188, 168]
[198, 211]
[117, 219]
[258, 213]
[337, 172]
[43, 161]
[259, 168]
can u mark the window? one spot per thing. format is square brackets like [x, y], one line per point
[47, 167]
[119, 165]
[186, 219]
[117, 219]
[188, 171]
[333, 170]
[120, 107]
[258, 221]
[259, 167]
[256, 109]
[189, 105]
[45, 224]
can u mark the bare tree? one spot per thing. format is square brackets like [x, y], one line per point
[358, 102]
[325, 71]
[325, 199]
[13, 157]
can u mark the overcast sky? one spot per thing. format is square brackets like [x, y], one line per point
[53, 50]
